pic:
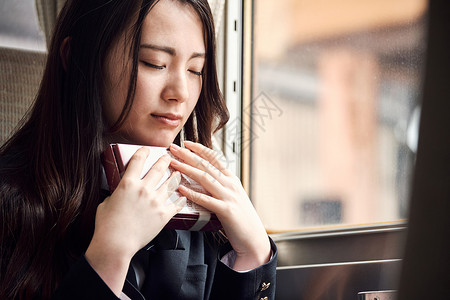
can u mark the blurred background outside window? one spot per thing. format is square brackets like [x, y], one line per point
[334, 110]
[19, 26]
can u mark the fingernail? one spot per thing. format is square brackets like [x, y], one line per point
[145, 150]
[175, 162]
[175, 147]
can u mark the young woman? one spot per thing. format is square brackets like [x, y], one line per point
[130, 72]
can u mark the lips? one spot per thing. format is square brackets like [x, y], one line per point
[168, 119]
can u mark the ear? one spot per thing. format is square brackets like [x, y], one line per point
[64, 52]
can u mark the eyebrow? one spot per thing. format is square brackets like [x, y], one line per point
[171, 51]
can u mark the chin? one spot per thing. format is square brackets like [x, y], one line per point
[161, 141]
[165, 145]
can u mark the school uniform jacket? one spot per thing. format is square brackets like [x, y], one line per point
[178, 265]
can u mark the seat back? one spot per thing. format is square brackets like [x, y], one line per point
[20, 77]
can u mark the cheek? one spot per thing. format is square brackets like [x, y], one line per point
[114, 94]
[146, 92]
[190, 105]
[113, 102]
[195, 91]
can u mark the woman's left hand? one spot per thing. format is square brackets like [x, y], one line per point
[228, 200]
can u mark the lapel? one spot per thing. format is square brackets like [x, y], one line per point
[167, 269]
[129, 287]
[131, 291]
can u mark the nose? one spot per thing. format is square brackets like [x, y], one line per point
[176, 88]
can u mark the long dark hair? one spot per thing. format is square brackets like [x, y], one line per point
[50, 169]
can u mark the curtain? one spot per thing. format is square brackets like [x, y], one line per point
[217, 8]
[47, 11]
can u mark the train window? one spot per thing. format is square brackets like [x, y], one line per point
[19, 26]
[325, 133]
[333, 111]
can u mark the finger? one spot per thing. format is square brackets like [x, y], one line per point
[136, 163]
[196, 161]
[157, 171]
[189, 157]
[215, 158]
[172, 208]
[171, 184]
[178, 205]
[208, 182]
[208, 202]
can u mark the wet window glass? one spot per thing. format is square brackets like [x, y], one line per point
[334, 110]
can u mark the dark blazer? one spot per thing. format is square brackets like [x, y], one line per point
[177, 265]
[191, 269]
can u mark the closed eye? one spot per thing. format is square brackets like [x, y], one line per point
[196, 73]
[152, 65]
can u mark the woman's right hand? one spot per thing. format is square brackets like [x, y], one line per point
[131, 217]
